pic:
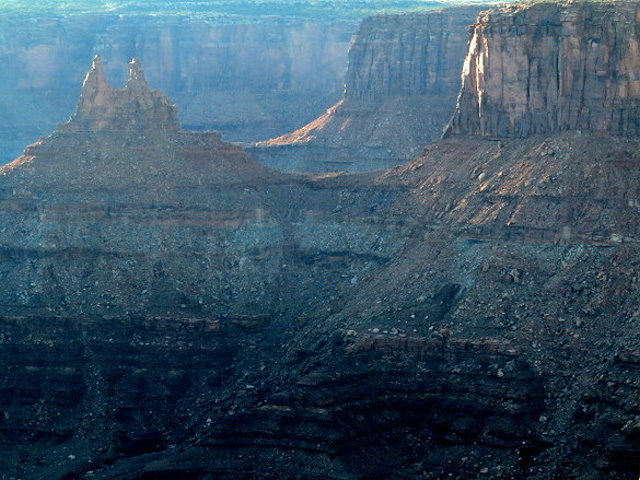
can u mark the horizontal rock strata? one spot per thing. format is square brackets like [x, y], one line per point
[173, 309]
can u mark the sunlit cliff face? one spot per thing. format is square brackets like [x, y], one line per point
[551, 51]
[101, 107]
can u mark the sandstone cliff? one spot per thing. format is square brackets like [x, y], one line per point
[549, 68]
[401, 83]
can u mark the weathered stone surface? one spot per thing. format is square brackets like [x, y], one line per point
[172, 309]
[228, 318]
[547, 68]
[208, 213]
[135, 107]
[408, 55]
[401, 84]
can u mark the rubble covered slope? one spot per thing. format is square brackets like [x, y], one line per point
[173, 309]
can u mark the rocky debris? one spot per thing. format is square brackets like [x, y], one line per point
[457, 351]
[401, 82]
[547, 68]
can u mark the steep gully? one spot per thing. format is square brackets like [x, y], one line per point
[174, 309]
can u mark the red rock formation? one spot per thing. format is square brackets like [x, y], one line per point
[400, 89]
[134, 107]
[547, 68]
[172, 309]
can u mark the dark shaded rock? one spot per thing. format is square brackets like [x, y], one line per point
[172, 309]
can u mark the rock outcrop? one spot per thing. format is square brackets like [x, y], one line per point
[173, 309]
[139, 168]
[401, 84]
[135, 107]
[548, 68]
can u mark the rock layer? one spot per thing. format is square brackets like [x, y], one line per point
[401, 84]
[470, 312]
[202, 204]
[172, 309]
[548, 68]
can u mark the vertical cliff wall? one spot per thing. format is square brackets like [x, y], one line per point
[408, 55]
[250, 79]
[552, 67]
[401, 83]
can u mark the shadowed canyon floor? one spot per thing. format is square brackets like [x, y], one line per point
[172, 309]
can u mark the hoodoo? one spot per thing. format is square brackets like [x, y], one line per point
[134, 106]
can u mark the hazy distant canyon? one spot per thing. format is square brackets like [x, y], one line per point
[251, 79]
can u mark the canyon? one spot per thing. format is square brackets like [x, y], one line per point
[251, 78]
[172, 308]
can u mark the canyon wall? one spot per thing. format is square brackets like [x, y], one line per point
[550, 68]
[408, 55]
[248, 78]
[401, 84]
[173, 309]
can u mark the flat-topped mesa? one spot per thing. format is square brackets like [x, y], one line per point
[134, 107]
[409, 55]
[551, 67]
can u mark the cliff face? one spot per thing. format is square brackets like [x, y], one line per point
[173, 309]
[249, 79]
[408, 55]
[402, 81]
[550, 68]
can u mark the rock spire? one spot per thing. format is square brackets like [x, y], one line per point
[134, 107]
